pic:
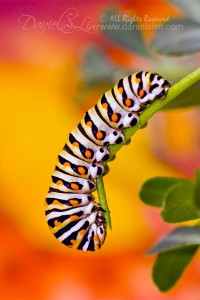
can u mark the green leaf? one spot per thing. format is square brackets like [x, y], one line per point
[123, 31]
[154, 190]
[177, 238]
[169, 266]
[190, 97]
[97, 68]
[181, 41]
[190, 8]
[179, 204]
[197, 190]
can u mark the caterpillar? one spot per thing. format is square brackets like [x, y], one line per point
[72, 214]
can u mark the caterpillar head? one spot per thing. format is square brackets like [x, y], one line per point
[101, 228]
[161, 87]
[155, 87]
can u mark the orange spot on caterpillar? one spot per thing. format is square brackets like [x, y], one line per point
[83, 231]
[88, 153]
[105, 105]
[74, 186]
[73, 218]
[72, 242]
[137, 80]
[57, 223]
[141, 93]
[56, 202]
[128, 102]
[59, 182]
[99, 135]
[73, 202]
[114, 117]
[89, 124]
[81, 170]
[120, 90]
[66, 164]
[75, 144]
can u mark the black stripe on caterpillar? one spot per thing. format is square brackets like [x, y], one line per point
[72, 214]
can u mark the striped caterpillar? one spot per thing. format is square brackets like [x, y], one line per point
[72, 214]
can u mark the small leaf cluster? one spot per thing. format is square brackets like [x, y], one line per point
[179, 200]
[187, 38]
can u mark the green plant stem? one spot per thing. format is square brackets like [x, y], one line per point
[103, 201]
[173, 92]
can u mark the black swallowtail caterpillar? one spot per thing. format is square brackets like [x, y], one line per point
[72, 214]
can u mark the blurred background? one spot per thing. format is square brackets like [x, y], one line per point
[56, 60]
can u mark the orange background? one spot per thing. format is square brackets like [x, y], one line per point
[39, 81]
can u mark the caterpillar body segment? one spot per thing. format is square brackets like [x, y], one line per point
[67, 183]
[100, 133]
[67, 200]
[77, 167]
[84, 148]
[113, 113]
